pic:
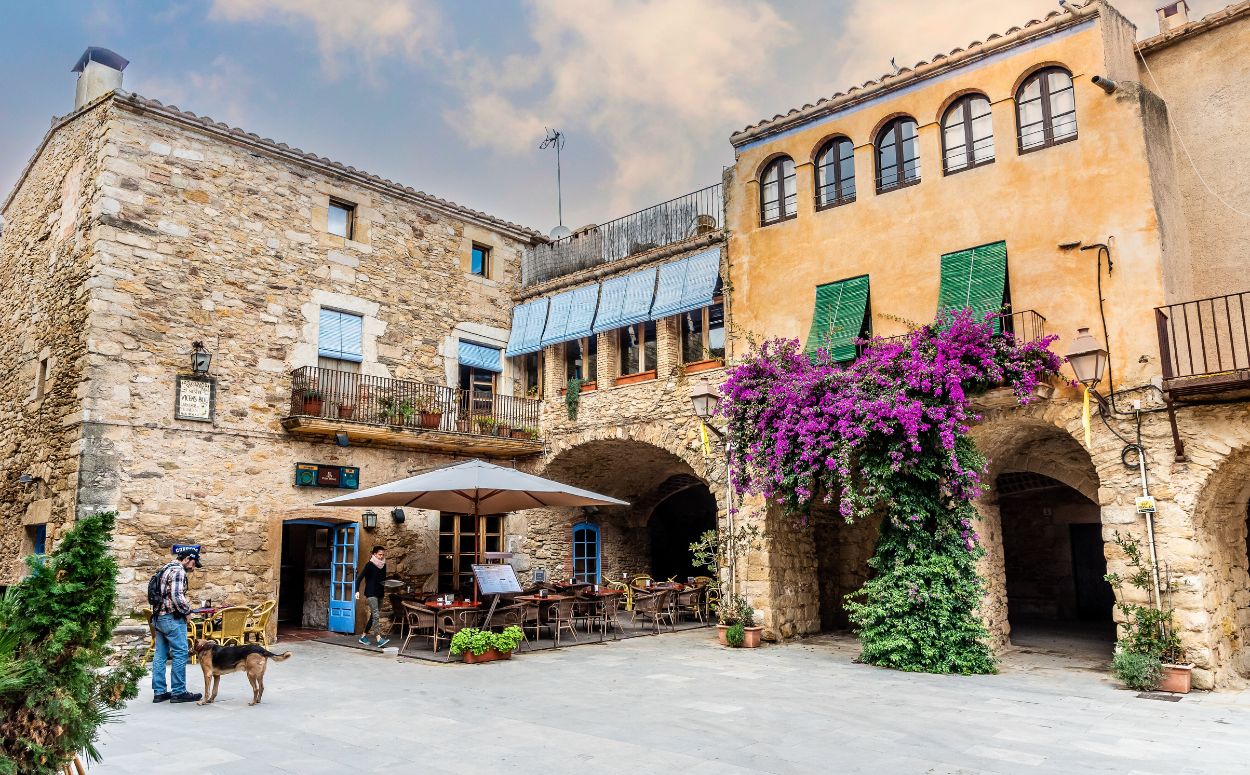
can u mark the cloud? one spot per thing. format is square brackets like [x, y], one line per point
[655, 83]
[363, 32]
[222, 90]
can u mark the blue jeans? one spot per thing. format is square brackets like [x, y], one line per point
[171, 642]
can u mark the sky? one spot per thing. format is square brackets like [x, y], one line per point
[453, 98]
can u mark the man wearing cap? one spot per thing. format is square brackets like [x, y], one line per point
[169, 622]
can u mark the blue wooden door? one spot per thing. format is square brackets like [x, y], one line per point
[342, 578]
[586, 563]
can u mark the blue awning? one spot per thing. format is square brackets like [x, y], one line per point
[625, 300]
[571, 315]
[480, 356]
[687, 284]
[528, 321]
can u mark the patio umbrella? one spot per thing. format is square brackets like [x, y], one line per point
[476, 487]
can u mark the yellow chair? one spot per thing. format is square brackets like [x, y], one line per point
[629, 592]
[640, 581]
[258, 625]
[146, 613]
[232, 627]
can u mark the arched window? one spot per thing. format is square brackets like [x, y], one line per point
[778, 198]
[835, 173]
[898, 155]
[1046, 109]
[586, 565]
[967, 134]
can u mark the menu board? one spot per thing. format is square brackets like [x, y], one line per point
[496, 579]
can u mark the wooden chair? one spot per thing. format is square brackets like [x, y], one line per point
[652, 607]
[419, 621]
[232, 626]
[560, 617]
[256, 629]
[690, 601]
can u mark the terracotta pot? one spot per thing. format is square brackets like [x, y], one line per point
[751, 637]
[1177, 679]
[313, 405]
[721, 629]
[517, 433]
[346, 412]
[502, 430]
[430, 420]
[490, 655]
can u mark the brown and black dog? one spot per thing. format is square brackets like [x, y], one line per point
[217, 660]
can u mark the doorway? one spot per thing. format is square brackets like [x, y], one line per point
[675, 524]
[316, 576]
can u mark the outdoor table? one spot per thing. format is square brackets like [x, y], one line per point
[436, 605]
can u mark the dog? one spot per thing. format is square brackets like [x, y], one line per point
[217, 660]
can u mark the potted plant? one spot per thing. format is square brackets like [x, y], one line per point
[485, 425]
[736, 616]
[429, 413]
[346, 410]
[486, 646]
[396, 411]
[1149, 654]
[525, 432]
[573, 397]
[314, 401]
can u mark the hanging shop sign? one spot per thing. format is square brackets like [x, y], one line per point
[195, 398]
[313, 475]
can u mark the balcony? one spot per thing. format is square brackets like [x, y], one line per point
[677, 220]
[1026, 326]
[1205, 349]
[435, 418]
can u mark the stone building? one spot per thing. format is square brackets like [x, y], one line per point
[1040, 172]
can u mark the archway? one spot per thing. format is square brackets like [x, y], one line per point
[676, 523]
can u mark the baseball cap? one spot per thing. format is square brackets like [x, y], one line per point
[183, 551]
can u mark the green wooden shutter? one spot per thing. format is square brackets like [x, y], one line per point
[975, 279]
[839, 317]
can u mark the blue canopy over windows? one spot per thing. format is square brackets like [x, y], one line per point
[626, 300]
[687, 284]
[340, 336]
[528, 321]
[571, 315]
[480, 356]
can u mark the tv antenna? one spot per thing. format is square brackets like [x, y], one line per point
[555, 139]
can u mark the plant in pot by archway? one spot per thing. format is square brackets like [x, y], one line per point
[715, 552]
[1149, 654]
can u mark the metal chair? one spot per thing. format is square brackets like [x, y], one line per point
[257, 626]
[627, 589]
[233, 623]
[421, 622]
[560, 617]
[690, 601]
[651, 606]
[609, 614]
[452, 620]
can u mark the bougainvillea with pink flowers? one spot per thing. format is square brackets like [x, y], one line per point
[888, 433]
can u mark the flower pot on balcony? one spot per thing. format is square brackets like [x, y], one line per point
[464, 426]
[313, 406]
[503, 430]
[430, 420]
[346, 411]
[518, 433]
[489, 655]
[1177, 678]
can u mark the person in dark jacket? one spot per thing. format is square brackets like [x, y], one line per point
[372, 576]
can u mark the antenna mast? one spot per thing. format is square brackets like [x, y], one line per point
[555, 139]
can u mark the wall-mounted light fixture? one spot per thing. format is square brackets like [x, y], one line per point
[201, 359]
[705, 399]
[369, 520]
[397, 515]
[26, 480]
[1088, 358]
[341, 439]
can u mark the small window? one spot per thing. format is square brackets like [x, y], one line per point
[340, 340]
[898, 155]
[1046, 109]
[967, 134]
[41, 378]
[703, 331]
[637, 345]
[480, 263]
[532, 367]
[341, 220]
[38, 535]
[778, 197]
[835, 173]
[579, 359]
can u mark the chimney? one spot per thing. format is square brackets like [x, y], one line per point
[1173, 15]
[99, 72]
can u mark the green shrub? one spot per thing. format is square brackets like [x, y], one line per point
[509, 639]
[1141, 672]
[480, 641]
[736, 635]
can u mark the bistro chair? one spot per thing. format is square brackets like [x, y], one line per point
[230, 625]
[560, 617]
[640, 582]
[513, 615]
[690, 601]
[702, 581]
[585, 608]
[419, 621]
[257, 626]
[452, 620]
[609, 615]
[627, 589]
[650, 606]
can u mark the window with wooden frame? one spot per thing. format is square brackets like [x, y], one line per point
[1046, 109]
[778, 197]
[835, 173]
[637, 346]
[579, 359]
[967, 134]
[478, 386]
[479, 264]
[462, 541]
[898, 155]
[532, 370]
[341, 218]
[703, 331]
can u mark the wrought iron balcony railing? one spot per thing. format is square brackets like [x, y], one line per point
[342, 395]
[1025, 326]
[1205, 338]
[676, 220]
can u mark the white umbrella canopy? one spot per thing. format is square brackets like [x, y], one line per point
[474, 486]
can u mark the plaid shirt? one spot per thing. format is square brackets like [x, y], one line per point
[174, 591]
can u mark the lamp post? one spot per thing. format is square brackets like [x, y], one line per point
[1088, 358]
[705, 399]
[201, 359]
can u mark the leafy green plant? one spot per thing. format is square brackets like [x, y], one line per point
[313, 394]
[1148, 630]
[396, 408]
[485, 425]
[735, 610]
[573, 397]
[478, 642]
[716, 552]
[736, 635]
[426, 404]
[56, 688]
[1140, 672]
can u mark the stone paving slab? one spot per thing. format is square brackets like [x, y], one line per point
[678, 703]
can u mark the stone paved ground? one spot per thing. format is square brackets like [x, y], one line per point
[677, 703]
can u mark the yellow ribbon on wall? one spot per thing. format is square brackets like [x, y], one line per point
[1085, 419]
[707, 449]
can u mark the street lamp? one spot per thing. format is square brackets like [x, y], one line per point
[369, 520]
[1088, 358]
[705, 399]
[200, 358]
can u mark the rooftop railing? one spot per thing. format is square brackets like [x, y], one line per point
[676, 220]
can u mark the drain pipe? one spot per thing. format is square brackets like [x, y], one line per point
[1150, 522]
[1106, 84]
